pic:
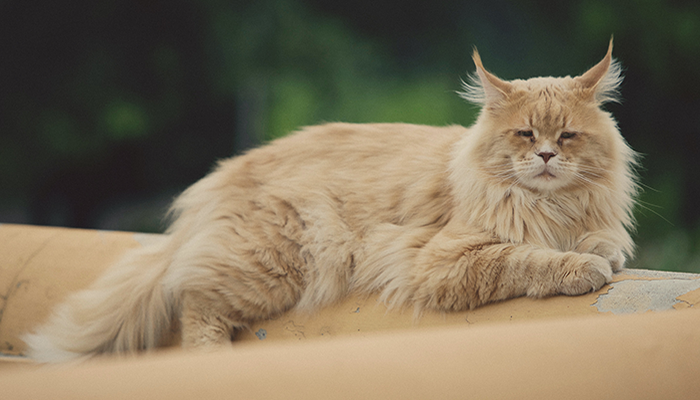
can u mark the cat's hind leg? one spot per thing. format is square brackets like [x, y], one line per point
[238, 261]
[218, 301]
[211, 315]
[222, 288]
[206, 320]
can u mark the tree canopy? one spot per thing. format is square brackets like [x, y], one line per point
[116, 101]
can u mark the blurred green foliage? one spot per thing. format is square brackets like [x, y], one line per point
[111, 104]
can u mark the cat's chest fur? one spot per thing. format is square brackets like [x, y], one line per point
[551, 222]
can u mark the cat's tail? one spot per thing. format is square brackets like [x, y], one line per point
[125, 310]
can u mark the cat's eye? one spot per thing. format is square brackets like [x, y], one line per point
[567, 135]
[525, 133]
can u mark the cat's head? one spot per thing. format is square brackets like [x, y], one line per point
[549, 134]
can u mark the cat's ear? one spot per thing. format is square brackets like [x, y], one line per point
[602, 82]
[483, 87]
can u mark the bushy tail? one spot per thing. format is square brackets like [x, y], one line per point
[125, 310]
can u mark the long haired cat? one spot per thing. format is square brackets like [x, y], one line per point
[534, 199]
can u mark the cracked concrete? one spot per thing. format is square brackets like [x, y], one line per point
[53, 262]
[639, 291]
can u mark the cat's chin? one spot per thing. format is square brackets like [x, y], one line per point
[545, 182]
[546, 175]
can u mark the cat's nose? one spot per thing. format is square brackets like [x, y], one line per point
[546, 155]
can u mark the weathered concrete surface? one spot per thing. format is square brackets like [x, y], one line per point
[630, 292]
[578, 347]
[39, 266]
[631, 357]
[638, 291]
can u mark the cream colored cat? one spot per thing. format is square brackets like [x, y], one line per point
[535, 199]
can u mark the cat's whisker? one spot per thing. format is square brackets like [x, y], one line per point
[591, 167]
[507, 176]
[585, 178]
[587, 181]
[517, 181]
[643, 207]
[646, 203]
[649, 187]
[596, 179]
[587, 170]
[594, 172]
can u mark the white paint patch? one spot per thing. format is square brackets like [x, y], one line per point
[638, 296]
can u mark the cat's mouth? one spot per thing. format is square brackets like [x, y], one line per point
[545, 174]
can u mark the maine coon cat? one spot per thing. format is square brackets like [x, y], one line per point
[534, 199]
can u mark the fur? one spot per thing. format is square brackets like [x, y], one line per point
[534, 199]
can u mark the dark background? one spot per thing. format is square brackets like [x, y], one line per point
[109, 108]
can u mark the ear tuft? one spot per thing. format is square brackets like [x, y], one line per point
[473, 90]
[482, 87]
[604, 79]
[608, 89]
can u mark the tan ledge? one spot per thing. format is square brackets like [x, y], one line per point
[561, 346]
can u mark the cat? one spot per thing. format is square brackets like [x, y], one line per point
[535, 199]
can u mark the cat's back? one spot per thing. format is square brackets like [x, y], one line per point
[367, 172]
[344, 150]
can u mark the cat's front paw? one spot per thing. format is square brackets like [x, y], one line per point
[588, 273]
[605, 249]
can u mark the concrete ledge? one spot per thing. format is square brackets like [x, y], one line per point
[41, 265]
[629, 357]
[564, 345]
